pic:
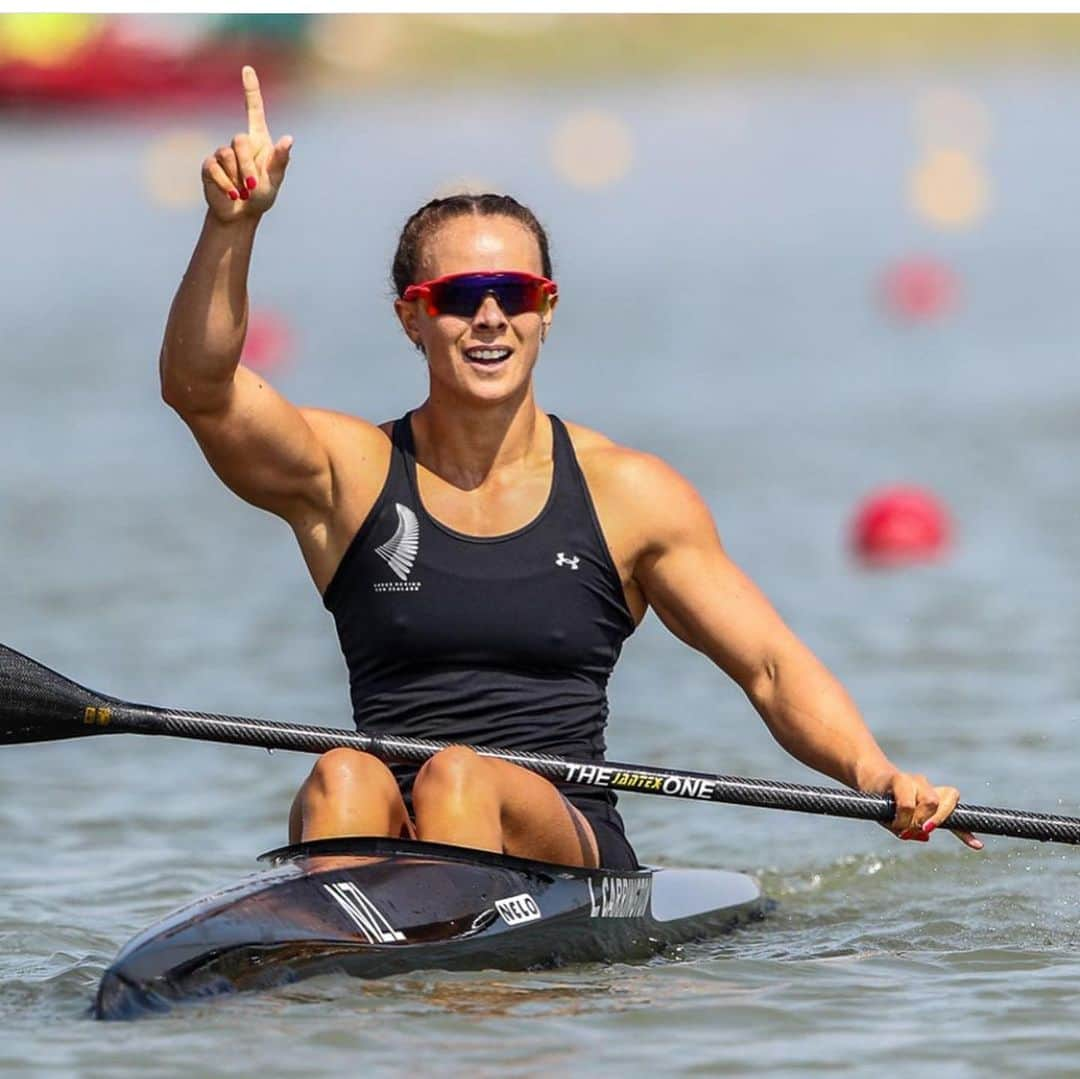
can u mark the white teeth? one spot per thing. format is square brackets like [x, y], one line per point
[488, 353]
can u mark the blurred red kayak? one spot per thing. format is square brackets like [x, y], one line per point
[105, 64]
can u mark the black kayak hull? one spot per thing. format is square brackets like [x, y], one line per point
[377, 907]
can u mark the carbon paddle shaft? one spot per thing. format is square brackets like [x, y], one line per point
[606, 775]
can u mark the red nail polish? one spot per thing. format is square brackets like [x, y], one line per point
[252, 183]
[929, 826]
[234, 195]
[244, 194]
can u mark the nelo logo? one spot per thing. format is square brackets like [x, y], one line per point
[518, 909]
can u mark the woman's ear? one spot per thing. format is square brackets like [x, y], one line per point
[546, 317]
[406, 313]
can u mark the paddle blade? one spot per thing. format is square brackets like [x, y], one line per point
[39, 705]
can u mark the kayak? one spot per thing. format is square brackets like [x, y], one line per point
[377, 907]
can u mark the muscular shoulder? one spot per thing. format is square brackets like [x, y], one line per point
[358, 450]
[342, 432]
[640, 493]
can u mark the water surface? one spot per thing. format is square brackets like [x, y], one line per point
[718, 308]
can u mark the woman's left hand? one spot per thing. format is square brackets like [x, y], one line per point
[921, 807]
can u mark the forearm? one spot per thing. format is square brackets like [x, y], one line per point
[208, 318]
[812, 716]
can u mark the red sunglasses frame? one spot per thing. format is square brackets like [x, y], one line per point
[423, 290]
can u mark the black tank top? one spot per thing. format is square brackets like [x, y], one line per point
[501, 641]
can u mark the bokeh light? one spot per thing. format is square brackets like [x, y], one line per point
[268, 346]
[920, 289]
[592, 148]
[949, 189]
[170, 165]
[361, 44]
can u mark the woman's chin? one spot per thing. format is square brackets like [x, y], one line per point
[492, 382]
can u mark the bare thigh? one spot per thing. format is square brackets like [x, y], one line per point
[459, 792]
[348, 793]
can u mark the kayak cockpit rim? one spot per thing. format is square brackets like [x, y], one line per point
[383, 846]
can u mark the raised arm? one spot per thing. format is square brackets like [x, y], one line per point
[708, 602]
[263, 447]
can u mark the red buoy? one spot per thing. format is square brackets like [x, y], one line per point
[899, 526]
[920, 289]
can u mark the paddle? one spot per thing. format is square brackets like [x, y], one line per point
[39, 705]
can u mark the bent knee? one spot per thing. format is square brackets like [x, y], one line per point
[342, 770]
[450, 768]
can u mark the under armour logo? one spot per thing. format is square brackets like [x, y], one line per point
[567, 560]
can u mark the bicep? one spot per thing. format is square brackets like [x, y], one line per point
[263, 447]
[711, 605]
[703, 597]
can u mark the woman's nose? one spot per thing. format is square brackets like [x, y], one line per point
[489, 313]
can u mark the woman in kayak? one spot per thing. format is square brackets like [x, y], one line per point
[482, 560]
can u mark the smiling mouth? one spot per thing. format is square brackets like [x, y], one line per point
[487, 357]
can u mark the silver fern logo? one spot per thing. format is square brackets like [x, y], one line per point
[400, 550]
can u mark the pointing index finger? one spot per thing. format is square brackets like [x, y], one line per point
[256, 116]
